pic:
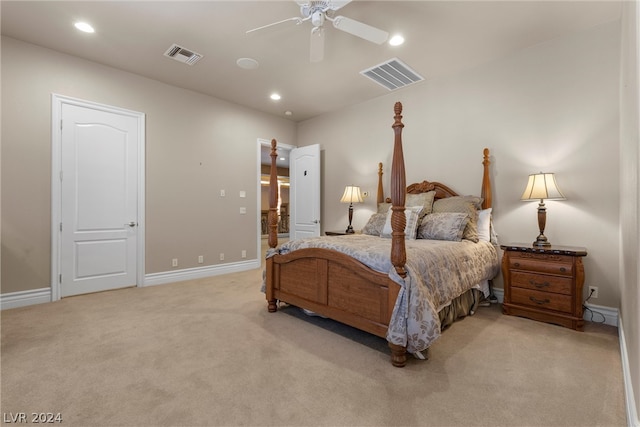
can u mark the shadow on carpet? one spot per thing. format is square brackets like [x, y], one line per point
[361, 337]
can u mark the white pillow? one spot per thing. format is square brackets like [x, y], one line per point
[411, 228]
[484, 225]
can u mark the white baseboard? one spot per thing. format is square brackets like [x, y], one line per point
[499, 293]
[24, 298]
[610, 315]
[630, 402]
[601, 314]
[39, 296]
[199, 272]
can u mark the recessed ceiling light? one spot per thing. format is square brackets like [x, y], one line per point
[288, 113]
[247, 63]
[396, 40]
[275, 97]
[83, 26]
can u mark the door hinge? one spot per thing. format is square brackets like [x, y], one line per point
[61, 175]
[60, 226]
[60, 124]
[60, 278]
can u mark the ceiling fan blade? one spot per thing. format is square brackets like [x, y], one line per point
[360, 29]
[297, 19]
[317, 44]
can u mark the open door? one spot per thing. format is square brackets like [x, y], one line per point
[305, 192]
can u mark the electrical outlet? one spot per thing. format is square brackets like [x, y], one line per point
[222, 193]
[593, 291]
[200, 259]
[174, 262]
[221, 257]
[243, 210]
[244, 253]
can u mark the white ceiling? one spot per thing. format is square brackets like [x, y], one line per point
[441, 37]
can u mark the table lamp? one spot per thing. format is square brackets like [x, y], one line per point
[542, 186]
[351, 195]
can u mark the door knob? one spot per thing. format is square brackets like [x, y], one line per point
[132, 224]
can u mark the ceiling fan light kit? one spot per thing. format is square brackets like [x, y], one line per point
[317, 12]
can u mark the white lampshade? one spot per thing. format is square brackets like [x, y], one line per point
[351, 195]
[542, 186]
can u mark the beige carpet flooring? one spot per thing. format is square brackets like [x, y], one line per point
[207, 352]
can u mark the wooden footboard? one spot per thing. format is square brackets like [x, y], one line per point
[336, 286]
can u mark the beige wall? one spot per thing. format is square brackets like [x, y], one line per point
[630, 194]
[552, 107]
[196, 145]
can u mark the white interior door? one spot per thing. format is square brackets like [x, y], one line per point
[304, 192]
[98, 199]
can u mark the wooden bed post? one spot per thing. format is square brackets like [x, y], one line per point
[486, 182]
[272, 225]
[398, 197]
[380, 189]
[272, 219]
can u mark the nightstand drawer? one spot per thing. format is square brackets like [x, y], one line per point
[540, 299]
[541, 282]
[563, 265]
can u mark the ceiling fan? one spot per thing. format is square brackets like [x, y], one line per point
[319, 11]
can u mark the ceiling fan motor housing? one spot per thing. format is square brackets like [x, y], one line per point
[316, 11]
[317, 18]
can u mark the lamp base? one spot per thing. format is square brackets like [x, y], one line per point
[349, 229]
[541, 241]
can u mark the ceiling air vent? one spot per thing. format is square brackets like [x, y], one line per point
[183, 55]
[393, 74]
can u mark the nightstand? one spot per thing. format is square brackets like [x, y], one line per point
[544, 283]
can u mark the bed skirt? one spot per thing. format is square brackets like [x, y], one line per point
[465, 305]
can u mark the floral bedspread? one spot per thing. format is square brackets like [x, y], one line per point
[437, 272]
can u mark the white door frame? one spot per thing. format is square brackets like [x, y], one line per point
[264, 142]
[57, 101]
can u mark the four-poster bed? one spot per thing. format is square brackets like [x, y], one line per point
[391, 292]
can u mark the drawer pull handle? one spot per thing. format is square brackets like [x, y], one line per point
[516, 264]
[539, 285]
[563, 269]
[539, 301]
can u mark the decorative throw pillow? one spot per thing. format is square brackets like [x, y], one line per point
[443, 226]
[383, 208]
[410, 230]
[462, 204]
[375, 224]
[423, 199]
